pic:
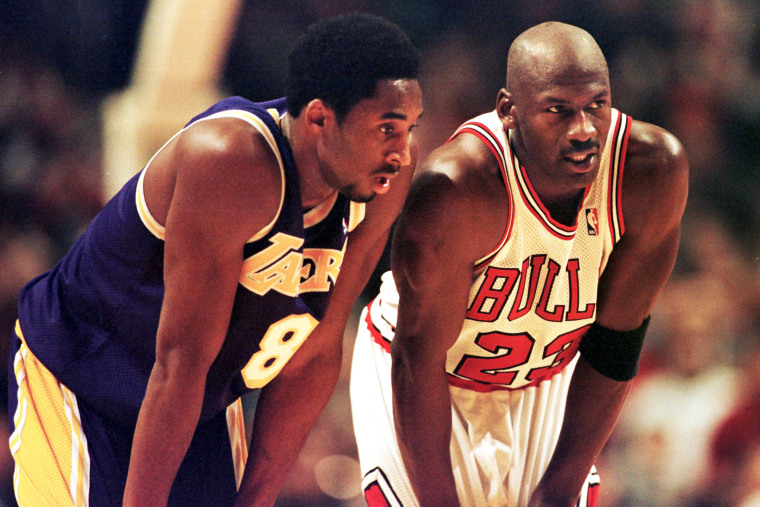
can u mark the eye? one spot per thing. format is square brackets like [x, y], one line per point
[386, 129]
[597, 104]
[557, 109]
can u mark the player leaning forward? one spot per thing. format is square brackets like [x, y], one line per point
[204, 275]
[543, 228]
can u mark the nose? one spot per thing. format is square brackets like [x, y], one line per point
[581, 128]
[400, 155]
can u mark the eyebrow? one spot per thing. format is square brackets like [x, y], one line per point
[393, 116]
[556, 100]
[390, 115]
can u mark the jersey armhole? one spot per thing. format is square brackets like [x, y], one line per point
[356, 214]
[617, 163]
[159, 230]
[482, 132]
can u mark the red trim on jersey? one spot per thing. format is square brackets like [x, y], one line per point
[542, 214]
[374, 331]
[480, 387]
[469, 128]
[593, 495]
[466, 129]
[621, 166]
[612, 184]
[374, 496]
[614, 196]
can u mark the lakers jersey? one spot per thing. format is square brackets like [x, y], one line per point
[534, 296]
[92, 319]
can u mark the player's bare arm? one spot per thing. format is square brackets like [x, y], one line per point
[452, 199]
[292, 402]
[655, 186]
[214, 187]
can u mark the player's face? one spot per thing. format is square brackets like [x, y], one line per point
[361, 155]
[561, 127]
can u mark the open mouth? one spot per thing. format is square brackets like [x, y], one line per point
[582, 162]
[381, 183]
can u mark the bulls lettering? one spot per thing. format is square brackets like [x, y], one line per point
[498, 288]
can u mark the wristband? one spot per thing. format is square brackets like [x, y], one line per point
[614, 354]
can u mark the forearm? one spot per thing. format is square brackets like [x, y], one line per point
[287, 409]
[422, 416]
[594, 403]
[165, 426]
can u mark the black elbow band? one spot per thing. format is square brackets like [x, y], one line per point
[614, 354]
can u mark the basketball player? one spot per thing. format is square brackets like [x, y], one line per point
[214, 272]
[541, 229]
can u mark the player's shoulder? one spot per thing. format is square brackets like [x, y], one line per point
[230, 143]
[457, 192]
[225, 160]
[656, 154]
[458, 175]
[655, 178]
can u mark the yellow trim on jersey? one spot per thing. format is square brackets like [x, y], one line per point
[275, 115]
[150, 223]
[158, 230]
[320, 211]
[80, 477]
[238, 442]
[356, 214]
[48, 444]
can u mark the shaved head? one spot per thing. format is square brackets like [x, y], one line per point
[552, 53]
[557, 107]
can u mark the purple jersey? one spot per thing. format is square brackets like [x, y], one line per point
[92, 319]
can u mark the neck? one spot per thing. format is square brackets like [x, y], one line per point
[565, 211]
[561, 202]
[314, 189]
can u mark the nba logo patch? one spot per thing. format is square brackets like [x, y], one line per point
[592, 222]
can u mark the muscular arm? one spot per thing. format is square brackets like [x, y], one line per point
[654, 196]
[199, 186]
[289, 406]
[433, 269]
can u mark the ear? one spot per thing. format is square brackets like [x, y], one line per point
[318, 115]
[505, 108]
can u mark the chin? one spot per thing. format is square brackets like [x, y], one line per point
[585, 178]
[356, 196]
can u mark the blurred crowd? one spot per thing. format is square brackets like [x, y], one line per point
[690, 432]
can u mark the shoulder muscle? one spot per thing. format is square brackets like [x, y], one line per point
[655, 180]
[457, 207]
[225, 174]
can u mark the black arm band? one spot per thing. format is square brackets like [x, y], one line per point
[614, 354]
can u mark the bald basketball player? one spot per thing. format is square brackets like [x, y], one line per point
[492, 366]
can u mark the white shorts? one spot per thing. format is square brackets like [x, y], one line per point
[501, 441]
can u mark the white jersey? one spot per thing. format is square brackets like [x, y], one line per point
[532, 299]
[535, 295]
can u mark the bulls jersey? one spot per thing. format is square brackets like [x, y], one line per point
[534, 296]
[92, 319]
[509, 370]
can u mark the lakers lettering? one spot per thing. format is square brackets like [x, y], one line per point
[320, 267]
[283, 268]
[277, 267]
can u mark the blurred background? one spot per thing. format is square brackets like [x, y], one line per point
[90, 88]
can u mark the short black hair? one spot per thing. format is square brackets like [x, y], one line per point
[341, 59]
